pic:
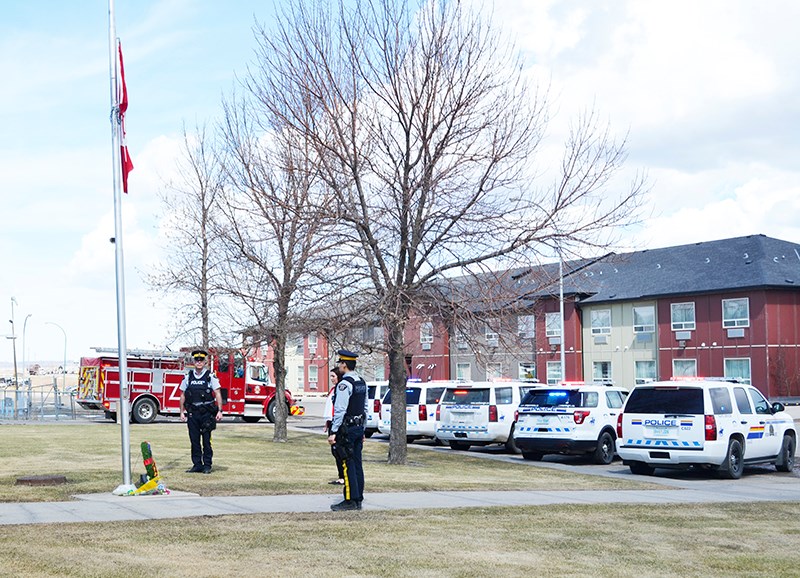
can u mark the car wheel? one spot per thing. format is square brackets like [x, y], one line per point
[511, 445]
[641, 469]
[786, 457]
[145, 410]
[733, 466]
[533, 456]
[459, 446]
[604, 454]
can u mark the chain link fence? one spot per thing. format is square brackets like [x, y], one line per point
[39, 401]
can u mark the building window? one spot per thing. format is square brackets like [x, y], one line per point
[463, 371]
[736, 312]
[738, 368]
[552, 324]
[494, 370]
[601, 321]
[682, 316]
[313, 373]
[491, 333]
[312, 342]
[645, 371]
[367, 334]
[426, 332]
[684, 368]
[601, 371]
[461, 339]
[644, 319]
[300, 377]
[527, 371]
[554, 372]
[526, 326]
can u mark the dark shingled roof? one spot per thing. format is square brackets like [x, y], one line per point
[741, 263]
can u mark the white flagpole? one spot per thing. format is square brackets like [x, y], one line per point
[123, 412]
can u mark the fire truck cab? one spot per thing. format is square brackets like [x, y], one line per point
[154, 379]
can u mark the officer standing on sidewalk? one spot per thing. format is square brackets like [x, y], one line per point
[201, 399]
[347, 429]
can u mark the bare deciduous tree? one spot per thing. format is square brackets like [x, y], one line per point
[422, 123]
[273, 220]
[192, 269]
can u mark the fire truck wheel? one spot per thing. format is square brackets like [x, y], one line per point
[271, 411]
[144, 410]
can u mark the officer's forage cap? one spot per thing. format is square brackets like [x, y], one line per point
[345, 355]
[199, 354]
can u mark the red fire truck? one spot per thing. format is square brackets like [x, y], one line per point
[154, 379]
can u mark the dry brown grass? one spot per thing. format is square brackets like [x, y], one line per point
[246, 462]
[642, 540]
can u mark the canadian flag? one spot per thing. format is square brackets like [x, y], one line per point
[122, 98]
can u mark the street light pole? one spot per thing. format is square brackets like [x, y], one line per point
[24, 327]
[14, 346]
[63, 367]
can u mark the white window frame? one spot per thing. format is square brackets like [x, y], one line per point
[494, 370]
[646, 311]
[597, 328]
[554, 376]
[464, 371]
[526, 370]
[651, 375]
[552, 324]
[312, 342]
[730, 374]
[526, 326]
[426, 332]
[313, 374]
[689, 363]
[301, 377]
[732, 322]
[682, 325]
[492, 337]
[604, 377]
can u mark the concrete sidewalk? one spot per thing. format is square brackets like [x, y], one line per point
[109, 508]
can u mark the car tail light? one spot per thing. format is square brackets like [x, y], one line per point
[376, 406]
[711, 428]
[579, 416]
[438, 413]
[423, 412]
[492, 413]
[619, 426]
[516, 415]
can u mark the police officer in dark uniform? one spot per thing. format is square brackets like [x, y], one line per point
[347, 429]
[201, 399]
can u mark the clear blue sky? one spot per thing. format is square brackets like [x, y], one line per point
[707, 90]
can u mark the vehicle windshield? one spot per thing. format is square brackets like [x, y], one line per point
[672, 400]
[464, 396]
[560, 398]
[412, 396]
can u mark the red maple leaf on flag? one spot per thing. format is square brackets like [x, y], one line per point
[125, 157]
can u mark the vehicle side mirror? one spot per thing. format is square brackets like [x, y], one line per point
[777, 406]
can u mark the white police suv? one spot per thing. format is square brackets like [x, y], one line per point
[715, 423]
[480, 413]
[375, 392]
[573, 418]
[421, 400]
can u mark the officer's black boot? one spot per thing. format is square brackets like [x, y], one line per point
[345, 505]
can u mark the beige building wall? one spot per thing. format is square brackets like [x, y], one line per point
[622, 346]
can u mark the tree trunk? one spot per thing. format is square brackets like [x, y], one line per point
[398, 450]
[279, 365]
